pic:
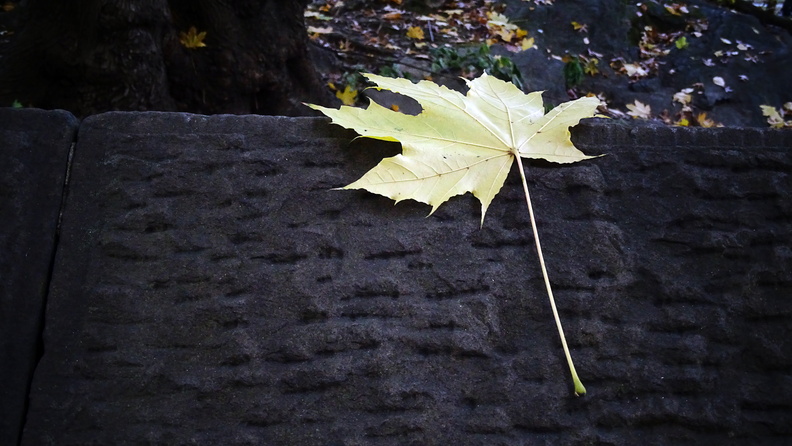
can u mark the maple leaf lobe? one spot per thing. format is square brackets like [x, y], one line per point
[460, 143]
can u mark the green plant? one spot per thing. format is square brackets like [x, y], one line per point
[394, 71]
[473, 61]
[573, 72]
[353, 79]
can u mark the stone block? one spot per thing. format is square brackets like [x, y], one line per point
[728, 137]
[34, 147]
[692, 137]
[778, 138]
[211, 288]
[651, 135]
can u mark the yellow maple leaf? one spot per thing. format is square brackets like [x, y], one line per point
[500, 26]
[496, 20]
[495, 121]
[192, 38]
[639, 110]
[415, 32]
[465, 143]
[505, 34]
[527, 43]
[348, 96]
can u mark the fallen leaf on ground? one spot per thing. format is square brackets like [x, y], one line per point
[348, 96]
[706, 122]
[591, 66]
[415, 32]
[497, 20]
[580, 27]
[505, 34]
[499, 25]
[676, 9]
[773, 117]
[635, 70]
[639, 110]
[192, 38]
[683, 97]
[316, 15]
[320, 30]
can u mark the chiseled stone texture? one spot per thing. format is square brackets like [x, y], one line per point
[211, 289]
[34, 148]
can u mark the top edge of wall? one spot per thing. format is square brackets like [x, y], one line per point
[594, 132]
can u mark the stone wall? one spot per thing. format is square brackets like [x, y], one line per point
[209, 288]
[34, 150]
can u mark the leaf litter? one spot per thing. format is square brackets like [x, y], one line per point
[376, 36]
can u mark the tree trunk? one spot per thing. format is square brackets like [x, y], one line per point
[90, 56]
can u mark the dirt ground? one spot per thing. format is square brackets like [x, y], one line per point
[688, 63]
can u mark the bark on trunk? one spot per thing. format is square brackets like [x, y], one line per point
[90, 56]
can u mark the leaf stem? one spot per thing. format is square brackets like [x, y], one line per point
[579, 389]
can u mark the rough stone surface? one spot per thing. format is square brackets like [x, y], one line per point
[211, 289]
[34, 147]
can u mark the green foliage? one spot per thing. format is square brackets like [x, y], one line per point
[681, 43]
[504, 69]
[573, 72]
[16, 104]
[475, 61]
[394, 71]
[353, 78]
[447, 58]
